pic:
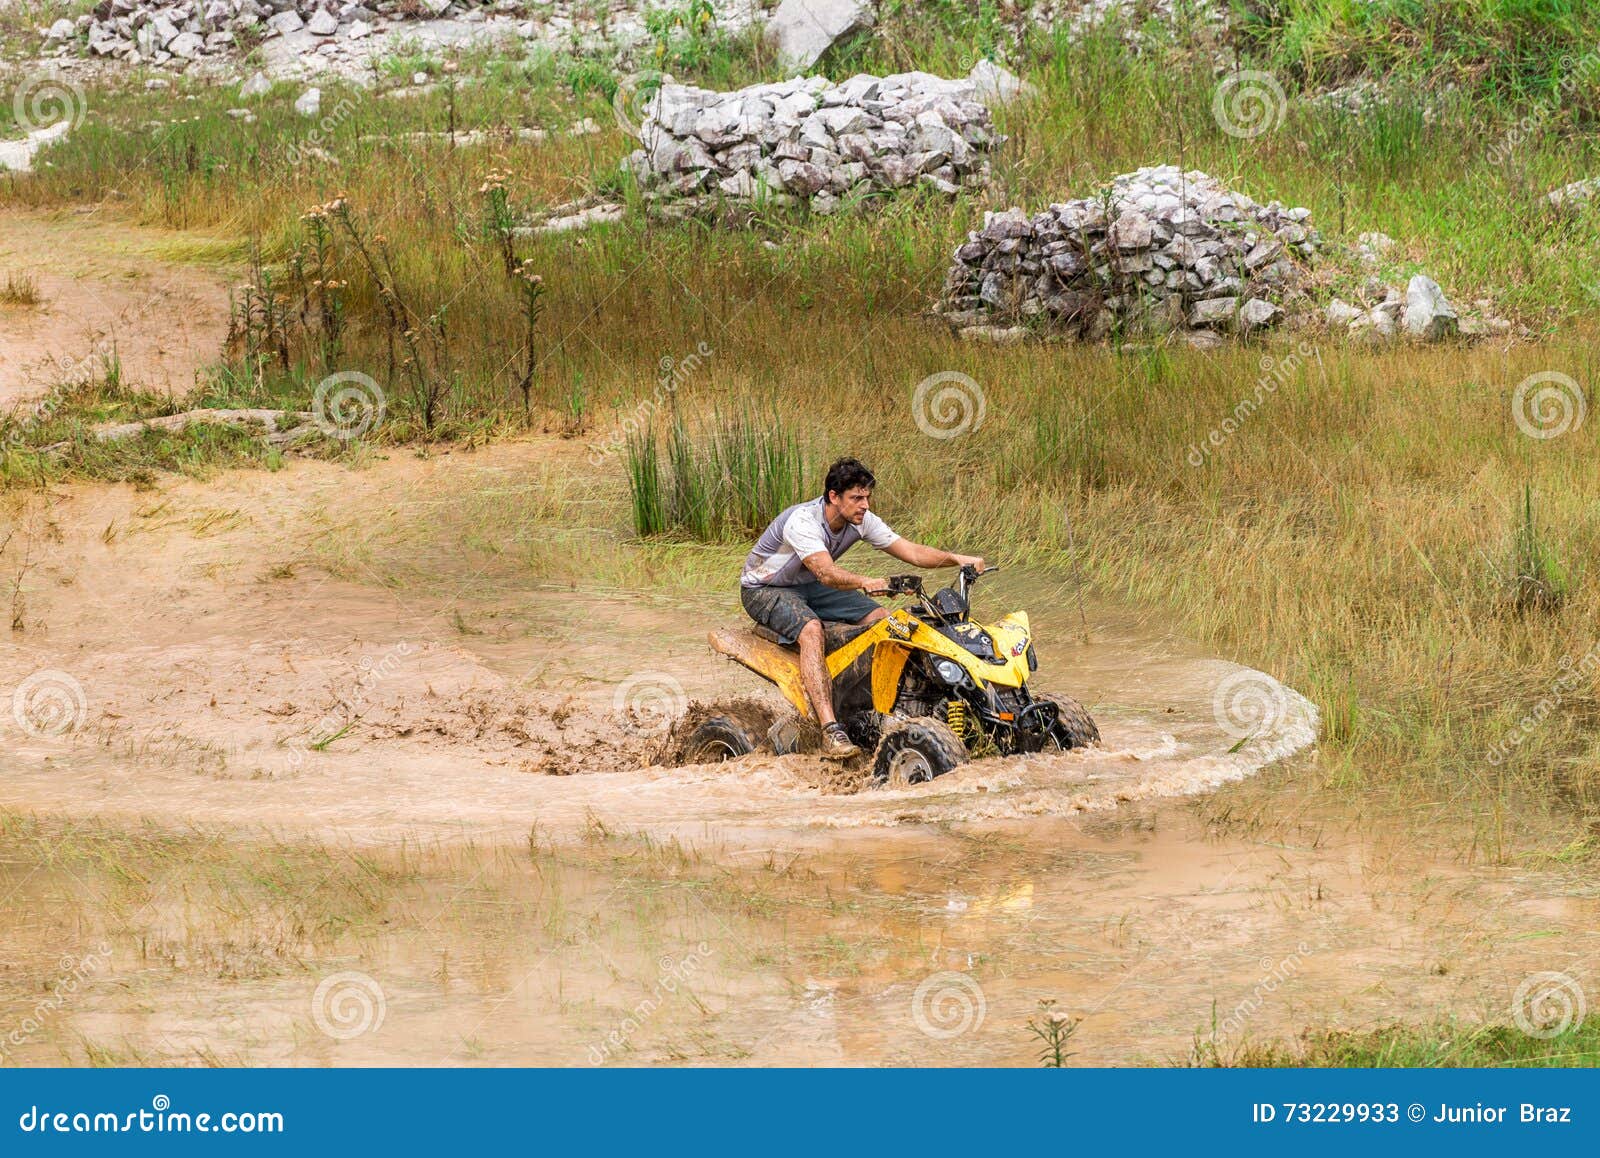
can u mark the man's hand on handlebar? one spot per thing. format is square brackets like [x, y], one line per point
[969, 561]
[875, 587]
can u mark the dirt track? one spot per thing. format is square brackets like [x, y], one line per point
[103, 289]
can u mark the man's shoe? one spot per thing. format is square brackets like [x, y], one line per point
[836, 743]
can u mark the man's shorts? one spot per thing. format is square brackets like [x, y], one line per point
[786, 610]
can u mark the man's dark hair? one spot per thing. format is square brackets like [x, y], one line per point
[844, 475]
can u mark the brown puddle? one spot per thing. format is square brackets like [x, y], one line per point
[218, 679]
[923, 949]
[212, 682]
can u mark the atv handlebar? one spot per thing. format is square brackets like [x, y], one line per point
[904, 585]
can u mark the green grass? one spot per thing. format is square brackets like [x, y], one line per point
[1445, 1044]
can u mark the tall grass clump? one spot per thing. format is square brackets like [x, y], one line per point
[726, 482]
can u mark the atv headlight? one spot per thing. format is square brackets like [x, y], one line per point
[950, 672]
[1033, 660]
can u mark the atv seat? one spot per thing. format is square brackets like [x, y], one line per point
[834, 635]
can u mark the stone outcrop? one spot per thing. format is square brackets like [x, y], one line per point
[1159, 250]
[809, 140]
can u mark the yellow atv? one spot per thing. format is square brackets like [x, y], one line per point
[923, 690]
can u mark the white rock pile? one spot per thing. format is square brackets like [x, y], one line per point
[1159, 250]
[809, 140]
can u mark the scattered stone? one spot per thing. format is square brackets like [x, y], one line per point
[309, 103]
[1427, 314]
[1573, 196]
[285, 22]
[996, 87]
[322, 23]
[805, 29]
[257, 85]
[62, 29]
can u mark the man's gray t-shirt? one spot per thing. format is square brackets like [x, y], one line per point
[778, 559]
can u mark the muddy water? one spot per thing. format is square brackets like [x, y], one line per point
[926, 949]
[210, 681]
[214, 677]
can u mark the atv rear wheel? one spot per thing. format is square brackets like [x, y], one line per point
[719, 738]
[1075, 728]
[916, 751]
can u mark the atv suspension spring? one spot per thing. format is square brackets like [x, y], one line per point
[955, 714]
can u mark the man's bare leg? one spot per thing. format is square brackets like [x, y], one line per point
[814, 673]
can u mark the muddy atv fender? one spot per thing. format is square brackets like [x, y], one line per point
[916, 751]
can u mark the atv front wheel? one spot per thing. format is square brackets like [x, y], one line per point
[916, 751]
[1075, 728]
[718, 738]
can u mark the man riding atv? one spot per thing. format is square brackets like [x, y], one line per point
[792, 580]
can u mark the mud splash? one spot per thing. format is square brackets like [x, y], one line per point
[212, 676]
